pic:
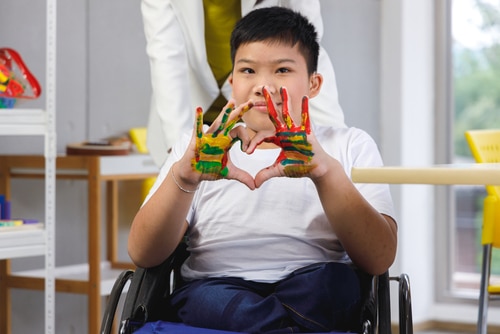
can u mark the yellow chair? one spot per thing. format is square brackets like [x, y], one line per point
[485, 148]
[138, 137]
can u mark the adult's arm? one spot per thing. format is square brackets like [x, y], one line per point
[170, 110]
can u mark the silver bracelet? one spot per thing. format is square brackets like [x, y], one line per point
[177, 183]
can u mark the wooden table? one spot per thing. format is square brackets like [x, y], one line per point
[447, 174]
[102, 174]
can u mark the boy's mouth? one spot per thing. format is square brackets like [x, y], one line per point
[261, 106]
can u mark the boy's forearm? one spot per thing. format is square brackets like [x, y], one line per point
[159, 225]
[369, 237]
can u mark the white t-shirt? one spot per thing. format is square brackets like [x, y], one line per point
[265, 234]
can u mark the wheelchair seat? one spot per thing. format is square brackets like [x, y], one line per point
[146, 307]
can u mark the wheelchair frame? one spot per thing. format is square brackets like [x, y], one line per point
[148, 296]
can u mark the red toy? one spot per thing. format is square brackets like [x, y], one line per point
[16, 81]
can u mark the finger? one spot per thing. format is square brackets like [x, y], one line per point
[199, 122]
[273, 115]
[199, 132]
[240, 133]
[265, 174]
[241, 110]
[261, 136]
[306, 122]
[192, 151]
[241, 176]
[225, 115]
[218, 120]
[284, 111]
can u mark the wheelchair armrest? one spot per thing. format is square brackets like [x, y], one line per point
[149, 292]
[114, 298]
[404, 296]
[383, 300]
[368, 311]
[405, 311]
[384, 303]
[148, 295]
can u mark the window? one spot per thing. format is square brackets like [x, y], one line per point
[475, 104]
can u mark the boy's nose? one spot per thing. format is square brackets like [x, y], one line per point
[271, 88]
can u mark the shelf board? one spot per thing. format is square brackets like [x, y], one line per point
[129, 164]
[23, 122]
[78, 272]
[15, 244]
[132, 165]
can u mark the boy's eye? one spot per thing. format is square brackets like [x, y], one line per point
[283, 70]
[247, 70]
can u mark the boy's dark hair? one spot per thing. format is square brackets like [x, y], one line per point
[281, 25]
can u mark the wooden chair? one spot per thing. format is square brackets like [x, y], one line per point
[485, 148]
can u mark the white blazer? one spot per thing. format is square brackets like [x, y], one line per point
[182, 79]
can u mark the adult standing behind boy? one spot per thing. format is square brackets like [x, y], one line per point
[188, 49]
[274, 223]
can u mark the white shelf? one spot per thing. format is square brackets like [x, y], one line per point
[131, 164]
[128, 164]
[29, 242]
[99, 280]
[22, 122]
[32, 249]
[79, 272]
[38, 122]
[22, 243]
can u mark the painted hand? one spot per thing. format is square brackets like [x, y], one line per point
[296, 154]
[211, 157]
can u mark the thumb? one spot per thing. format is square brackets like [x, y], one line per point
[242, 176]
[264, 174]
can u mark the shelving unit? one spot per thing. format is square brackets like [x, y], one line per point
[16, 244]
[101, 175]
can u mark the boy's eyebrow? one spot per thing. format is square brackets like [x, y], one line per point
[277, 61]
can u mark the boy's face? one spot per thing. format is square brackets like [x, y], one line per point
[273, 65]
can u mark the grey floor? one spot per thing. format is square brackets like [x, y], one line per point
[442, 332]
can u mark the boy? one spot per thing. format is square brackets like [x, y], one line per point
[273, 224]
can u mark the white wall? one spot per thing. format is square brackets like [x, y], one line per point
[407, 135]
[352, 39]
[102, 69]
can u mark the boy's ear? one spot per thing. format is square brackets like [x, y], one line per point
[230, 79]
[315, 82]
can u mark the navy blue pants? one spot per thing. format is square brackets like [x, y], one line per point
[318, 298]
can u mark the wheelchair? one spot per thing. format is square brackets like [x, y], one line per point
[147, 300]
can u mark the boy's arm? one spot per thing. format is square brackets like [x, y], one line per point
[161, 222]
[369, 237]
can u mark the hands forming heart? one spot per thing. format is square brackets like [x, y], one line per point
[211, 154]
